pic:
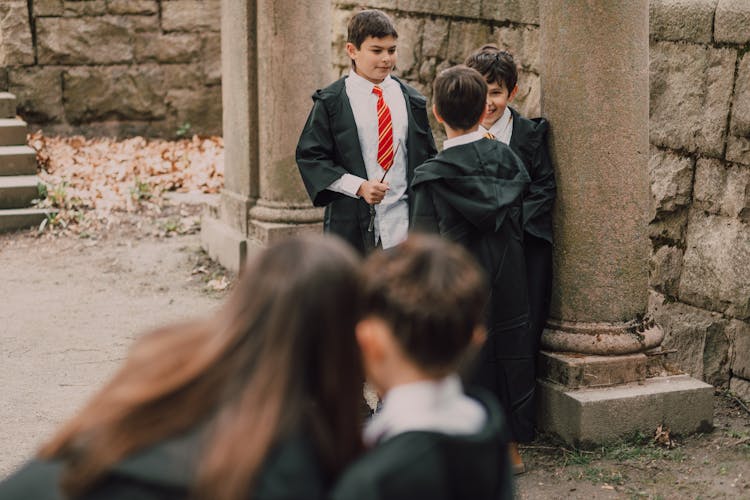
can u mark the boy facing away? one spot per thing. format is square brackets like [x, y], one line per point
[528, 139]
[471, 193]
[363, 139]
[424, 302]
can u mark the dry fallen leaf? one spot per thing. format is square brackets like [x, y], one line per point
[662, 437]
[103, 175]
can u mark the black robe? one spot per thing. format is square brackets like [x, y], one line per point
[472, 194]
[529, 142]
[329, 148]
[424, 464]
[167, 471]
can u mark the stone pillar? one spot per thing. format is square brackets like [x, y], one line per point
[294, 58]
[595, 92]
[274, 55]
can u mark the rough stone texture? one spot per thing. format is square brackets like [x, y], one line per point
[669, 227]
[133, 7]
[196, 106]
[117, 92]
[732, 21]
[739, 332]
[741, 109]
[722, 189]
[691, 89]
[48, 8]
[528, 98]
[97, 40]
[682, 20]
[212, 60]
[464, 38]
[457, 8]
[717, 258]
[522, 42]
[515, 11]
[190, 15]
[671, 180]
[408, 45]
[16, 46]
[665, 267]
[700, 337]
[75, 8]
[738, 149]
[741, 388]
[584, 417]
[4, 79]
[434, 41]
[44, 104]
[167, 48]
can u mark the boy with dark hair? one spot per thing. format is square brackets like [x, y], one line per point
[424, 302]
[471, 193]
[528, 139]
[363, 139]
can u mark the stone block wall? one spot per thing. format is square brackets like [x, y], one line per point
[700, 150]
[114, 67]
[700, 176]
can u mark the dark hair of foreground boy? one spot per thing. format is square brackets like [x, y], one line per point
[460, 96]
[278, 358]
[432, 294]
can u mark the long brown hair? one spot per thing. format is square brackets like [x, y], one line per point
[278, 356]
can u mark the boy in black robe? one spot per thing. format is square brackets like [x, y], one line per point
[471, 193]
[528, 139]
[356, 162]
[424, 302]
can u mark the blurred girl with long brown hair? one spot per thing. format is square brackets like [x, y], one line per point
[262, 400]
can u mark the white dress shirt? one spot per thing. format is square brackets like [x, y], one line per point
[432, 405]
[502, 129]
[392, 214]
[464, 139]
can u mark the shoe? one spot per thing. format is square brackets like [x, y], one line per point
[515, 459]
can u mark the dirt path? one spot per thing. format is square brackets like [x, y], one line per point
[71, 306]
[69, 309]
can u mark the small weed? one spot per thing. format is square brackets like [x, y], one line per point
[59, 195]
[184, 130]
[172, 225]
[41, 189]
[140, 190]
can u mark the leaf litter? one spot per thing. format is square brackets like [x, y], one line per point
[97, 185]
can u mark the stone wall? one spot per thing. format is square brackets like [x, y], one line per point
[119, 67]
[700, 150]
[700, 171]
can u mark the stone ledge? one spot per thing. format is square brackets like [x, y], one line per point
[585, 417]
[574, 370]
[223, 244]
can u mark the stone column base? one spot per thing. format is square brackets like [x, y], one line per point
[223, 244]
[588, 416]
[588, 399]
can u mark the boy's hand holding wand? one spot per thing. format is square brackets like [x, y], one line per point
[374, 191]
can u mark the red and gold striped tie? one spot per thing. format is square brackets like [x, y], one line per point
[385, 131]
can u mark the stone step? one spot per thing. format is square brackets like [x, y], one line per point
[17, 160]
[18, 191]
[7, 105]
[22, 218]
[12, 132]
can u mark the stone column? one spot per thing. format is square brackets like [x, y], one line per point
[294, 58]
[274, 55]
[595, 92]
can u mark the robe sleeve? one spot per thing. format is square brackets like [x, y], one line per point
[424, 216]
[316, 158]
[540, 197]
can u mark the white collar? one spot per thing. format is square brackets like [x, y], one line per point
[499, 129]
[364, 84]
[430, 405]
[463, 139]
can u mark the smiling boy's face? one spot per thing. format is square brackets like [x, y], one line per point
[374, 59]
[498, 98]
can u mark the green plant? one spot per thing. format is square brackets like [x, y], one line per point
[184, 130]
[140, 190]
